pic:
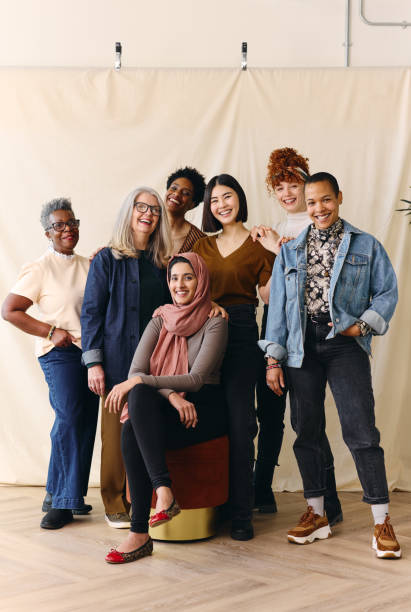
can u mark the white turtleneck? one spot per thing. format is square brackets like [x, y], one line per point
[293, 224]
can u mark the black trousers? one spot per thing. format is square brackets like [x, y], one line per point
[239, 375]
[154, 426]
[342, 363]
[270, 414]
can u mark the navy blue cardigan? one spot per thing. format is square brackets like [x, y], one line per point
[110, 325]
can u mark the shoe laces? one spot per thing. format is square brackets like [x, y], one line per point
[307, 517]
[386, 529]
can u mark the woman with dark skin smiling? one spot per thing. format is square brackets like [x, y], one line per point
[185, 191]
[172, 397]
[55, 283]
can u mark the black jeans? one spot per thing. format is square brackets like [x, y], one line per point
[342, 363]
[154, 426]
[239, 375]
[270, 415]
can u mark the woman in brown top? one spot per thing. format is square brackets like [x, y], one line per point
[185, 191]
[179, 354]
[237, 265]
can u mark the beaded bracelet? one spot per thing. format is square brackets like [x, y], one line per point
[51, 332]
[271, 366]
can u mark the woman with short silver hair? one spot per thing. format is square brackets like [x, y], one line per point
[55, 283]
[126, 283]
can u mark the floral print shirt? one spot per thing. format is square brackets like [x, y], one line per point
[322, 247]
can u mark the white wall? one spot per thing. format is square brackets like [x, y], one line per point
[194, 33]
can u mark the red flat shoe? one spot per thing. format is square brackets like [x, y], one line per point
[115, 556]
[165, 515]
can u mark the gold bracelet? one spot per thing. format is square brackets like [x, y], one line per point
[51, 332]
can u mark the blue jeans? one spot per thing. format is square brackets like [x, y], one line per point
[74, 429]
[342, 363]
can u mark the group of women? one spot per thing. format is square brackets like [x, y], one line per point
[162, 326]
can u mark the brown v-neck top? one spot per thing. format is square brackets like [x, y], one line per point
[234, 278]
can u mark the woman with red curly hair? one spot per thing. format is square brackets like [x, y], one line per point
[286, 174]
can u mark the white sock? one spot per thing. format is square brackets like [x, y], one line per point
[379, 512]
[317, 504]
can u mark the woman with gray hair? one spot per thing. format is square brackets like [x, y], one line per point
[55, 283]
[126, 283]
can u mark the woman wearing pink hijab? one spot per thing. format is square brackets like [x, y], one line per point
[171, 399]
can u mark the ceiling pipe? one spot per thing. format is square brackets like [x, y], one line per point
[402, 24]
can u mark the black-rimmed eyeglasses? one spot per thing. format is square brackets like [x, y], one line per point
[143, 207]
[60, 226]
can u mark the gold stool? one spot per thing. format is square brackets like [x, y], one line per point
[199, 474]
[194, 524]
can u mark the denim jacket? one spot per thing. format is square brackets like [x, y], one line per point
[363, 286]
[110, 325]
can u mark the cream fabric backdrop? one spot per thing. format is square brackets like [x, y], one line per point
[94, 135]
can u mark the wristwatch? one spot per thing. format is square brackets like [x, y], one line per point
[363, 327]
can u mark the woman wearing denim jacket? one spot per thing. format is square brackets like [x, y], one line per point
[286, 174]
[125, 284]
[332, 288]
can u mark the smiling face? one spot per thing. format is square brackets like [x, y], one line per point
[290, 196]
[224, 204]
[66, 240]
[322, 204]
[183, 283]
[179, 197]
[144, 223]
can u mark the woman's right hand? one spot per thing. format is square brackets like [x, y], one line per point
[186, 410]
[62, 338]
[97, 380]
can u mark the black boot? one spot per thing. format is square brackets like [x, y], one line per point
[47, 504]
[332, 504]
[241, 530]
[56, 519]
[264, 500]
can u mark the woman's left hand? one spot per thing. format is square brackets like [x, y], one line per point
[217, 311]
[117, 397]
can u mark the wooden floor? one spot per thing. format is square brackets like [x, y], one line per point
[53, 571]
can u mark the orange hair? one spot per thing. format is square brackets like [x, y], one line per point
[285, 165]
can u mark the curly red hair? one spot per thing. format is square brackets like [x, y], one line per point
[284, 165]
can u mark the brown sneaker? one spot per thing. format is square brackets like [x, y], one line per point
[384, 541]
[311, 527]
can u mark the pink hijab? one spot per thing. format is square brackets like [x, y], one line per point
[170, 357]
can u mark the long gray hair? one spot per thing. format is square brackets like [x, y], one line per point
[159, 244]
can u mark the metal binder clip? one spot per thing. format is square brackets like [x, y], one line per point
[117, 64]
[244, 56]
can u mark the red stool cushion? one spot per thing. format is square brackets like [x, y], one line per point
[199, 474]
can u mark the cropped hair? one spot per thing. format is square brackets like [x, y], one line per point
[52, 206]
[122, 244]
[319, 177]
[286, 165]
[196, 179]
[210, 223]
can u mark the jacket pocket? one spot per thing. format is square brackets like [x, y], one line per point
[290, 276]
[354, 278]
